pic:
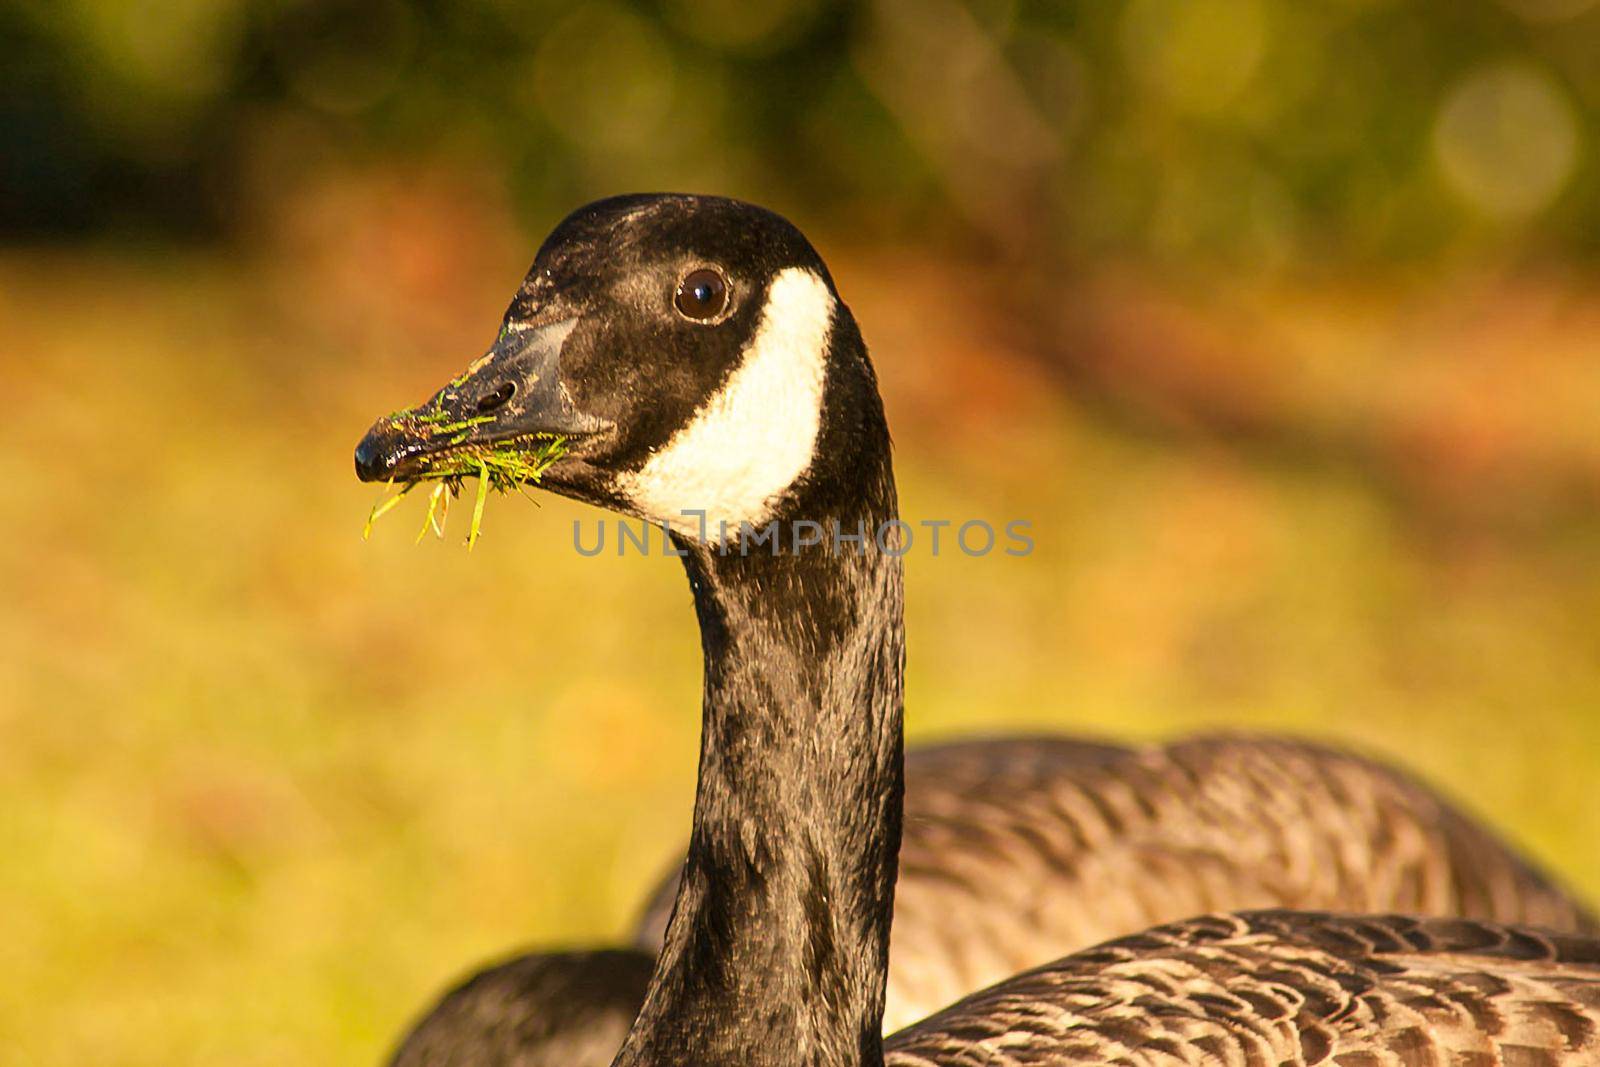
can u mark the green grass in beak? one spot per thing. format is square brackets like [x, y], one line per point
[499, 468]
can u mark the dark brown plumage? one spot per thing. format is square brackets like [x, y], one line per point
[1287, 989]
[486, 1021]
[1016, 850]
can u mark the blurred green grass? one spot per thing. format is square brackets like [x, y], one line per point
[1264, 134]
[268, 787]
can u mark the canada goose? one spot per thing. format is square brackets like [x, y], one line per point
[1017, 850]
[695, 353]
[1085, 841]
[542, 1009]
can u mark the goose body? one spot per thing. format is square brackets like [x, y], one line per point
[1018, 849]
[1293, 989]
[685, 398]
[542, 1009]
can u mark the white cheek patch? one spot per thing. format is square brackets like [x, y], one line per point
[750, 441]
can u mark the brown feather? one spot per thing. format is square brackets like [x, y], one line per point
[1016, 850]
[1285, 989]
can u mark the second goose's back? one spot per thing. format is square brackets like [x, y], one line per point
[1016, 850]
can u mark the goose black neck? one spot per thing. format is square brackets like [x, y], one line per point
[777, 951]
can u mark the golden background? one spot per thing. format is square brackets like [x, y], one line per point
[1278, 321]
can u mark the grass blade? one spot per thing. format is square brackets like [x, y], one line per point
[477, 507]
[384, 506]
[429, 521]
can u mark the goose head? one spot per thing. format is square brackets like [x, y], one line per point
[695, 356]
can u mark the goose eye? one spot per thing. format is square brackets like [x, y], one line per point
[702, 294]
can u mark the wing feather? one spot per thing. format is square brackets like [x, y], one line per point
[1286, 989]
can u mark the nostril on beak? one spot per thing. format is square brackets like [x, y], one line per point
[497, 399]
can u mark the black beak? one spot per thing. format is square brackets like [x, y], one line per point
[513, 391]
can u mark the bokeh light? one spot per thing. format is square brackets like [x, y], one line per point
[749, 27]
[1199, 55]
[1507, 139]
[574, 79]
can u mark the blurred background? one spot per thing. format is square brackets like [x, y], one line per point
[1278, 319]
